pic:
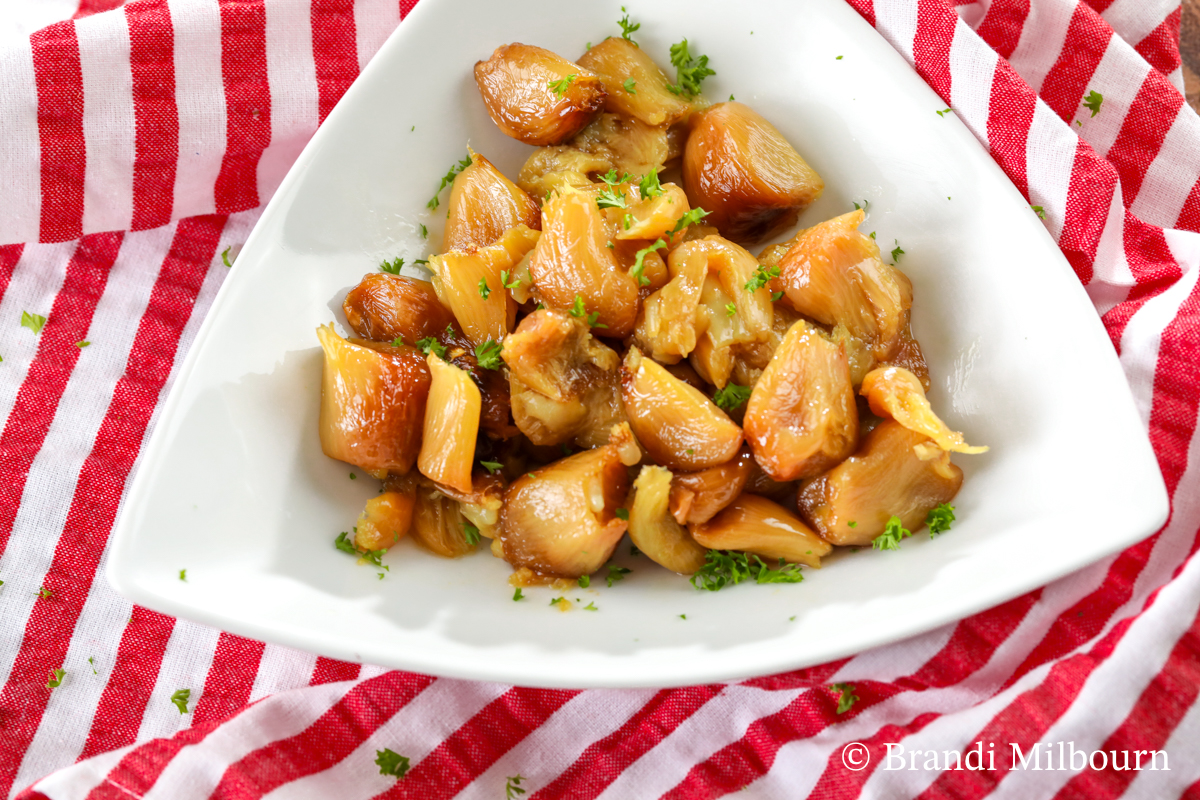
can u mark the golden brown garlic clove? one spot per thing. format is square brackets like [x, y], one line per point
[754, 524]
[384, 307]
[626, 144]
[889, 475]
[896, 393]
[669, 322]
[699, 496]
[484, 204]
[386, 518]
[652, 218]
[740, 168]
[438, 525]
[451, 426]
[652, 529]
[620, 63]
[677, 424]
[560, 521]
[551, 169]
[537, 96]
[372, 400]
[802, 418]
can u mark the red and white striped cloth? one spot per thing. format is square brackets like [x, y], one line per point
[137, 142]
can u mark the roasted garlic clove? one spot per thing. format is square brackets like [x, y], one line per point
[635, 85]
[754, 524]
[386, 519]
[627, 145]
[889, 475]
[561, 521]
[385, 307]
[572, 260]
[551, 169]
[698, 496]
[726, 332]
[372, 400]
[677, 424]
[654, 531]
[802, 418]
[451, 426]
[668, 322]
[438, 525]
[471, 284]
[834, 275]
[651, 218]
[738, 273]
[739, 167]
[537, 96]
[896, 393]
[484, 204]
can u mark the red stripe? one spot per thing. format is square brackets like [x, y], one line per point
[1176, 391]
[806, 678]
[37, 400]
[605, 759]
[1067, 81]
[1189, 215]
[127, 691]
[474, 747]
[1100, 6]
[101, 480]
[329, 670]
[1153, 266]
[1145, 127]
[324, 743]
[1010, 115]
[406, 6]
[247, 103]
[89, 7]
[335, 50]
[1161, 47]
[936, 24]
[1002, 25]
[152, 64]
[10, 256]
[60, 130]
[230, 678]
[864, 7]
[1158, 711]
[1092, 185]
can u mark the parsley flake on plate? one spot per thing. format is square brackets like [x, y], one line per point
[728, 568]
[943, 112]
[731, 397]
[897, 252]
[180, 699]
[391, 763]
[893, 532]
[939, 519]
[471, 534]
[627, 27]
[590, 607]
[518, 595]
[183, 575]
[448, 179]
[585, 581]
[392, 267]
[616, 573]
[690, 72]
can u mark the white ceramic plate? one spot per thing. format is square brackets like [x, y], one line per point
[234, 487]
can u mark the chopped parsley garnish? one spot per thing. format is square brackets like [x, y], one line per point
[633, 550]
[82, 344]
[398, 342]
[180, 699]
[627, 27]
[629, 85]
[518, 595]
[851, 524]
[939, 519]
[391, 763]
[512, 788]
[611, 198]
[225, 256]
[690, 72]
[627, 221]
[683, 616]
[622, 513]
[424, 231]
[650, 186]
[760, 277]
[611, 178]
[344, 543]
[893, 532]
[728, 568]
[846, 696]
[839, 58]
[577, 309]
[560, 86]
[1041, 212]
[504, 280]
[56, 678]
[45, 593]
[590, 607]
[487, 355]
[353, 477]
[593, 320]
[1093, 101]
[448, 179]
[183, 572]
[943, 112]
[585, 581]
[866, 206]
[690, 218]
[392, 267]
[732, 396]
[471, 534]
[92, 661]
[730, 309]
[897, 252]
[639, 265]
[557, 600]
[431, 345]
[491, 466]
[484, 291]
[616, 573]
[32, 321]
[776, 297]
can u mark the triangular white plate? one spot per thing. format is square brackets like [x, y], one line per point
[234, 488]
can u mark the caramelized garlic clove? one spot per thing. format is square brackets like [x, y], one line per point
[896, 393]
[451, 426]
[551, 169]
[652, 218]
[753, 524]
[438, 525]
[536, 96]
[652, 529]
[667, 325]
[620, 64]
[626, 144]
[851, 504]
[484, 204]
[699, 496]
[372, 398]
[740, 168]
[386, 518]
[802, 418]
[384, 307]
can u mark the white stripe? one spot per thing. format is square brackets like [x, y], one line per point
[200, 100]
[76, 781]
[292, 78]
[23, 18]
[1049, 160]
[108, 122]
[1134, 20]
[719, 722]
[1157, 784]
[1143, 333]
[196, 770]
[898, 24]
[281, 668]
[20, 145]
[186, 661]
[972, 70]
[374, 21]
[558, 742]
[414, 731]
[1119, 75]
[1173, 172]
[1111, 276]
[1176, 78]
[1042, 38]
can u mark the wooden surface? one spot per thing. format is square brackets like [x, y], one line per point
[1189, 48]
